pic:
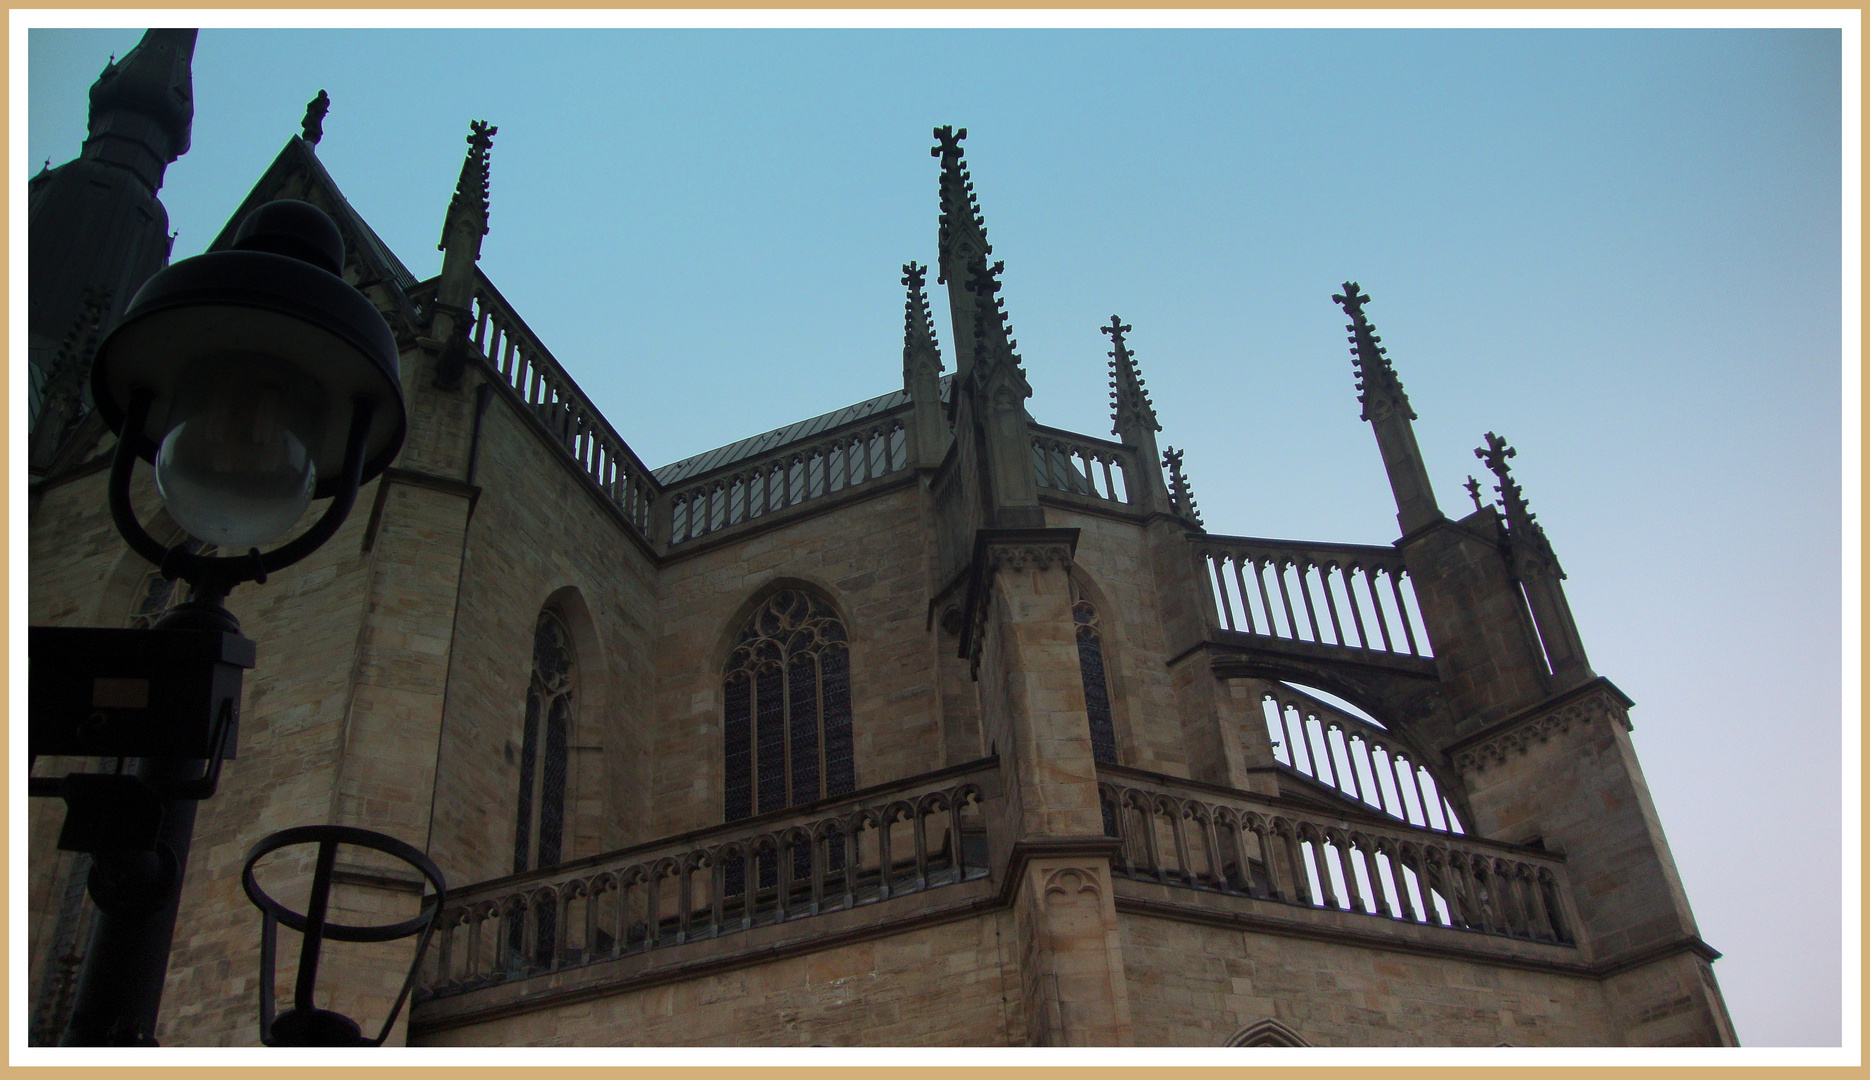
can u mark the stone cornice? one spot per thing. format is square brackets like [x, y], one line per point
[1339, 927]
[1617, 965]
[1010, 549]
[1596, 700]
[1028, 549]
[1089, 848]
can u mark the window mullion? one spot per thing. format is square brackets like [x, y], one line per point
[818, 681]
[785, 727]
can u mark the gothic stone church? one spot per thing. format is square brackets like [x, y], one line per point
[915, 723]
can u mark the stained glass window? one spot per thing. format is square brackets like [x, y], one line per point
[539, 832]
[787, 724]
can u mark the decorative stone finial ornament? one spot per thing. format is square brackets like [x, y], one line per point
[474, 186]
[993, 336]
[919, 346]
[314, 122]
[1379, 391]
[1130, 406]
[1521, 523]
[963, 236]
[1181, 499]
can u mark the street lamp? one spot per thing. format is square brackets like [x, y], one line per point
[253, 380]
[304, 1024]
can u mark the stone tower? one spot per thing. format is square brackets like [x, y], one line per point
[916, 722]
[97, 229]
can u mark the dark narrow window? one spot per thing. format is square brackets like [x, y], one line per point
[1096, 688]
[787, 724]
[539, 828]
[1096, 693]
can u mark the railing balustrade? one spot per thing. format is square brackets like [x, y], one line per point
[797, 474]
[890, 841]
[1063, 461]
[525, 365]
[1356, 757]
[1348, 595]
[1247, 845]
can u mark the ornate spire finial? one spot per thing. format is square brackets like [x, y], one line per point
[920, 350]
[1473, 492]
[1130, 406]
[1181, 499]
[314, 122]
[475, 184]
[1379, 391]
[1522, 524]
[963, 236]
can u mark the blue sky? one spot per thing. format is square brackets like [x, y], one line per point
[1621, 250]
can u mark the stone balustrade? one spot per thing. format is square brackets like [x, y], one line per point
[1380, 614]
[848, 458]
[515, 355]
[1364, 761]
[1063, 461]
[1187, 836]
[865, 848]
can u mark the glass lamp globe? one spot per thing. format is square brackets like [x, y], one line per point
[237, 465]
[253, 369]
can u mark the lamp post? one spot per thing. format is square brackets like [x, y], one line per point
[254, 380]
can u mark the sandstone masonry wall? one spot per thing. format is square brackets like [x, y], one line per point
[1192, 985]
[537, 536]
[952, 984]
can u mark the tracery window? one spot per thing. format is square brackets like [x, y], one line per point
[539, 832]
[787, 724]
[1096, 686]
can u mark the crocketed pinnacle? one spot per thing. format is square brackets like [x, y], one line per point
[1522, 525]
[1130, 407]
[475, 184]
[963, 235]
[1181, 498]
[1379, 391]
[921, 354]
[993, 337]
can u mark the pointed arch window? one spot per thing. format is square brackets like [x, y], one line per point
[787, 695]
[1267, 1033]
[539, 832]
[1096, 684]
